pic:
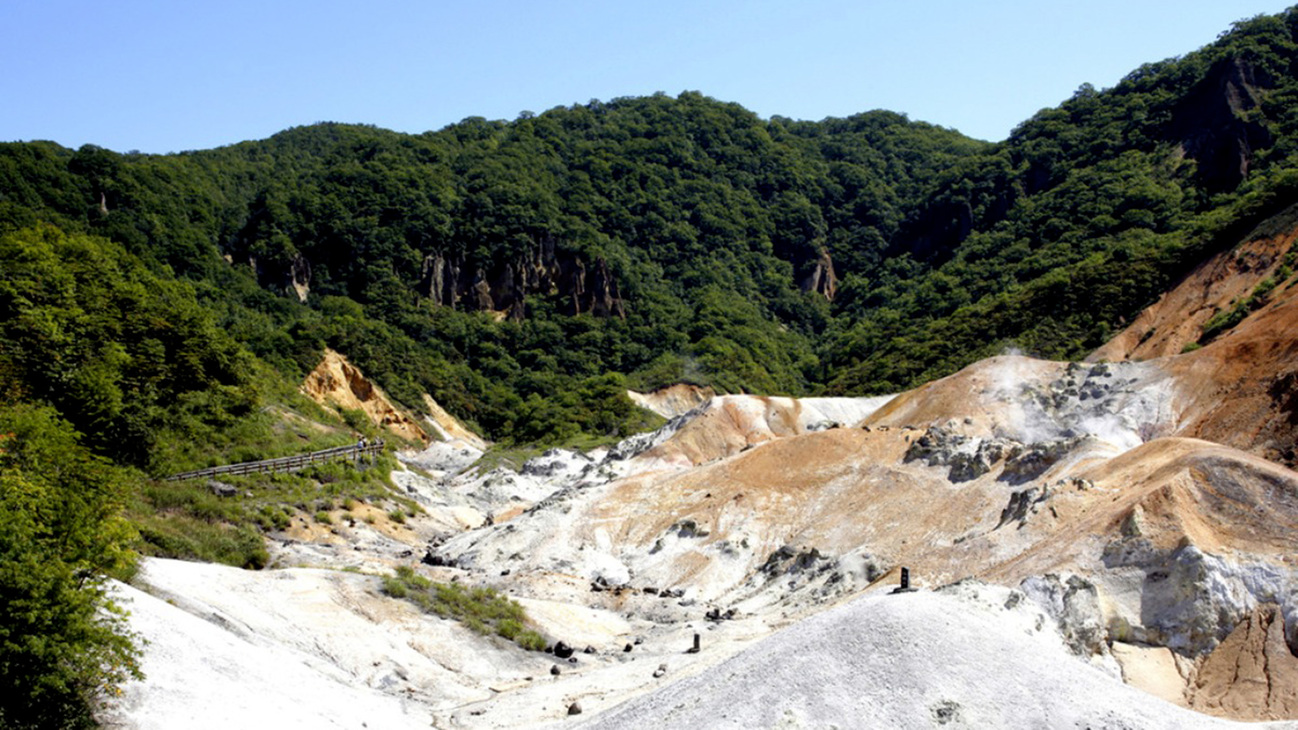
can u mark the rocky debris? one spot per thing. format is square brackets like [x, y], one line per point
[1034, 460]
[437, 560]
[967, 457]
[688, 528]
[555, 462]
[1023, 504]
[1252, 674]
[221, 489]
[789, 559]
[935, 446]
[968, 466]
[716, 614]
[574, 708]
[1074, 604]
[562, 650]
[555, 670]
[660, 671]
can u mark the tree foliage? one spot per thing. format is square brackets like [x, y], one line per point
[62, 642]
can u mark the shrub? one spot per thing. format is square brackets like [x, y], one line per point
[62, 642]
[482, 610]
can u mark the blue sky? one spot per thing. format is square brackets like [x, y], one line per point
[164, 76]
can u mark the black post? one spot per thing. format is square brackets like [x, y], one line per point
[905, 578]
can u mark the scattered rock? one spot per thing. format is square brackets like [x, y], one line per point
[562, 650]
[554, 670]
[574, 708]
[945, 711]
[221, 489]
[660, 671]
[435, 560]
[1035, 460]
[1022, 504]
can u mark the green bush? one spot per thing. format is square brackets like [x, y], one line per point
[63, 644]
[482, 610]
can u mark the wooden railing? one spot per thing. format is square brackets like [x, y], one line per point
[286, 463]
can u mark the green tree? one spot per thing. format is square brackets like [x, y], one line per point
[63, 643]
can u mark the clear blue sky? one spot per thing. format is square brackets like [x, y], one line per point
[169, 75]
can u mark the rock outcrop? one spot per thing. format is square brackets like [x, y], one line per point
[673, 400]
[1214, 127]
[338, 383]
[579, 286]
[822, 279]
[1253, 674]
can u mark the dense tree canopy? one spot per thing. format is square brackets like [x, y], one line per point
[501, 266]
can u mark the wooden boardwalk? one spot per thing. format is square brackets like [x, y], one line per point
[286, 463]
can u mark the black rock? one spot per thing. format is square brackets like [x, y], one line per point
[554, 669]
[562, 650]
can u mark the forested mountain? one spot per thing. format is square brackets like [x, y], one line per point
[526, 272]
[158, 312]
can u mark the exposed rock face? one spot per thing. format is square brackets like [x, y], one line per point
[1253, 675]
[545, 271]
[1178, 317]
[1023, 504]
[1213, 125]
[293, 276]
[337, 382]
[449, 428]
[1075, 606]
[968, 457]
[822, 279]
[673, 400]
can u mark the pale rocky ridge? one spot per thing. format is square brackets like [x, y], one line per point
[1126, 525]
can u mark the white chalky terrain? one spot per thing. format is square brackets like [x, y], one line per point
[1134, 524]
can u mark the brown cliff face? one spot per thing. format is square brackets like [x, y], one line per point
[1242, 387]
[1253, 675]
[449, 281]
[822, 279]
[337, 382]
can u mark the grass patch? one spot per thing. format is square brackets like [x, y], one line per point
[483, 610]
[1226, 320]
[187, 520]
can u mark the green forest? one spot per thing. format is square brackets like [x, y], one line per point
[158, 311]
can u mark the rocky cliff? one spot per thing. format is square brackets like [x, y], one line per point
[1215, 124]
[338, 383]
[545, 271]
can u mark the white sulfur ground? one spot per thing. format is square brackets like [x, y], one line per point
[956, 658]
[200, 675]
